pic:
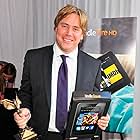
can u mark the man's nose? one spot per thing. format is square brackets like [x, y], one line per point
[69, 31]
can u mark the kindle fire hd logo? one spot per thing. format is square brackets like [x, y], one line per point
[102, 32]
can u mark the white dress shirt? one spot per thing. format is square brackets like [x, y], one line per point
[72, 72]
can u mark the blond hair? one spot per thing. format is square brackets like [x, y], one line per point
[69, 9]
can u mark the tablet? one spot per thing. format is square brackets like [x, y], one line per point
[84, 113]
[114, 77]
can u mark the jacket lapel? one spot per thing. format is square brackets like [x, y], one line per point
[84, 79]
[80, 75]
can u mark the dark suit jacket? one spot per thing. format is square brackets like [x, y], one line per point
[35, 90]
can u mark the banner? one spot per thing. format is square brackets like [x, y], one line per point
[113, 41]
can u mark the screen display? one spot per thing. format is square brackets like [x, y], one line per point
[87, 117]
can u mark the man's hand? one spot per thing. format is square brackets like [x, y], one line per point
[103, 122]
[22, 117]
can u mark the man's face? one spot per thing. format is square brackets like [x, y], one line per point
[69, 33]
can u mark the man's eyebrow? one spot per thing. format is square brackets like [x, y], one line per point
[78, 27]
[64, 23]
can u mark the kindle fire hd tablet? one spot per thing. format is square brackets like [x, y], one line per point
[84, 113]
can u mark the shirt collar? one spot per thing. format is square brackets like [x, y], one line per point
[58, 52]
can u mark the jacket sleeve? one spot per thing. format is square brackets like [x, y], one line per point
[25, 91]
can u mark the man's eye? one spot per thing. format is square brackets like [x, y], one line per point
[76, 29]
[63, 25]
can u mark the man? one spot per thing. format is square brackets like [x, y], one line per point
[38, 91]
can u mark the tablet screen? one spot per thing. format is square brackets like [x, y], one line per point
[87, 117]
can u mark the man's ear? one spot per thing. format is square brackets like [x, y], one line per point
[55, 29]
